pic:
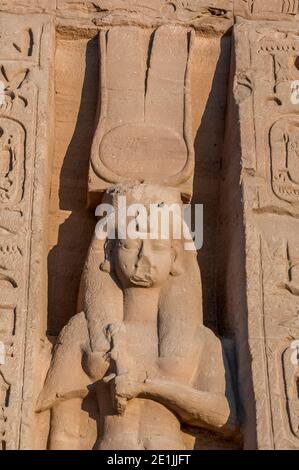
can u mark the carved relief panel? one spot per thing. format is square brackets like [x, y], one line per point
[196, 13]
[267, 9]
[280, 260]
[269, 138]
[21, 42]
[284, 142]
[146, 114]
[12, 158]
[264, 89]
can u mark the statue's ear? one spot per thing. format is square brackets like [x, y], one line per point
[177, 266]
[107, 266]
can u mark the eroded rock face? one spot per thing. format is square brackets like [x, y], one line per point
[270, 187]
[24, 133]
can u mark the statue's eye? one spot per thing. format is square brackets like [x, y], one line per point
[128, 244]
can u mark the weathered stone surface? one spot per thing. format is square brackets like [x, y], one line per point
[267, 114]
[70, 224]
[190, 12]
[267, 9]
[26, 64]
[216, 16]
[145, 110]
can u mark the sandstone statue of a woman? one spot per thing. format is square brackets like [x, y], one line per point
[138, 349]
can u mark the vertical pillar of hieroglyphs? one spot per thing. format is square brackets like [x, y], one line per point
[25, 51]
[266, 99]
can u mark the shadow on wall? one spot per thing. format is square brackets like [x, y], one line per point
[66, 259]
[208, 151]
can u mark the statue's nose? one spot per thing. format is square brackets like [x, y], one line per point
[143, 256]
[143, 262]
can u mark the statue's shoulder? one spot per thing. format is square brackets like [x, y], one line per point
[66, 377]
[76, 328]
[211, 371]
[209, 339]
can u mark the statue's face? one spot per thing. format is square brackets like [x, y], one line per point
[144, 263]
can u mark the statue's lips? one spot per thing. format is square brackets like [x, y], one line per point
[143, 280]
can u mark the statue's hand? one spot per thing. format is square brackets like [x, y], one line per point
[116, 333]
[124, 388]
[95, 364]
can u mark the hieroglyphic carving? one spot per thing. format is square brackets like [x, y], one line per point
[4, 403]
[19, 43]
[284, 141]
[21, 40]
[286, 256]
[290, 360]
[263, 9]
[12, 159]
[289, 7]
[284, 68]
[178, 10]
[283, 50]
[216, 15]
[281, 327]
[10, 254]
[7, 323]
[268, 56]
[8, 317]
[273, 55]
[10, 86]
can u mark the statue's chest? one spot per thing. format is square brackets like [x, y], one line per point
[142, 338]
[139, 347]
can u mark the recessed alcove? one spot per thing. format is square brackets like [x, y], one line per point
[71, 223]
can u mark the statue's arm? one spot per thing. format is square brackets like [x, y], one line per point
[205, 401]
[194, 407]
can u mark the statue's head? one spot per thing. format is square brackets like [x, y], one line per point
[145, 263]
[150, 259]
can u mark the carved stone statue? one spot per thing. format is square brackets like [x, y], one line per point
[138, 346]
[137, 356]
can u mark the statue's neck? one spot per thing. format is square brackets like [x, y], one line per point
[141, 304]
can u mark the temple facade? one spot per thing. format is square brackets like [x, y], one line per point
[135, 342]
